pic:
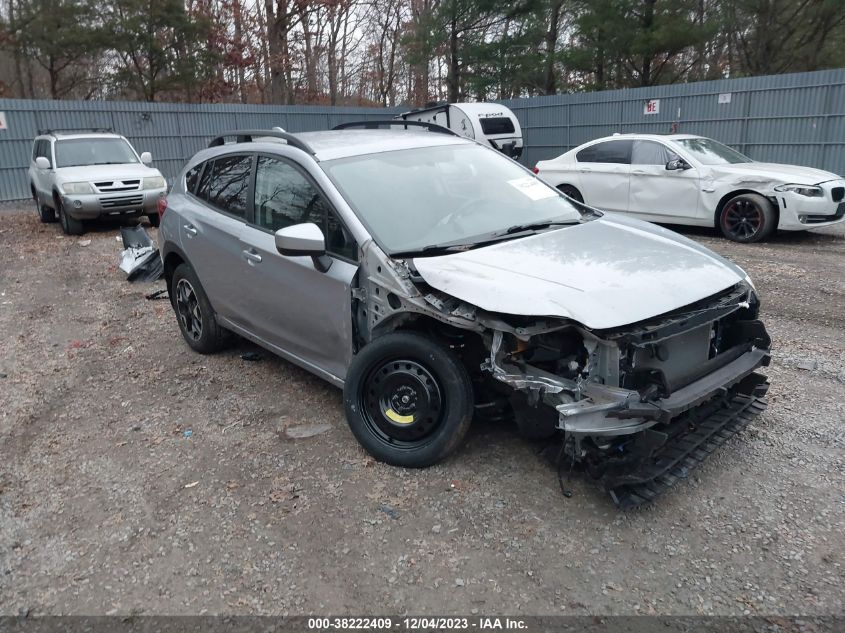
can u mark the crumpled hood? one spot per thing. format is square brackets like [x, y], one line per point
[765, 172]
[91, 173]
[603, 274]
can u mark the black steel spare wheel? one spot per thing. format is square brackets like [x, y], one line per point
[402, 402]
[747, 218]
[408, 399]
[188, 309]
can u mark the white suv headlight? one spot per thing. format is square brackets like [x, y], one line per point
[155, 182]
[811, 191]
[77, 188]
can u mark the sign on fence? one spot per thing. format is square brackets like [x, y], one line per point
[652, 106]
[3, 121]
[725, 97]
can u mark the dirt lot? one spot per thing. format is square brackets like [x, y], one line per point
[109, 505]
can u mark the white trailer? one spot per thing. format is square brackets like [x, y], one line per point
[486, 122]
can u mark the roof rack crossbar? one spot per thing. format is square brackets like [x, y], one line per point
[100, 130]
[246, 136]
[375, 124]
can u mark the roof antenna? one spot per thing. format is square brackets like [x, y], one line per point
[279, 129]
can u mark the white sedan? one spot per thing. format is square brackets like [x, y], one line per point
[685, 179]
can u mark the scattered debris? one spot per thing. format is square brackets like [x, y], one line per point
[252, 356]
[157, 295]
[3, 375]
[306, 430]
[187, 433]
[393, 514]
[808, 365]
[84, 242]
[192, 484]
[140, 259]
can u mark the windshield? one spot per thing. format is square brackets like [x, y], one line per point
[74, 152]
[710, 152]
[436, 196]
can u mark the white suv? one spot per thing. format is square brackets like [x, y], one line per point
[84, 176]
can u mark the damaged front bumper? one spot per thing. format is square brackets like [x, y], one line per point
[615, 411]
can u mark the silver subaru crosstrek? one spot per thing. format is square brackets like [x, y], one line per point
[436, 280]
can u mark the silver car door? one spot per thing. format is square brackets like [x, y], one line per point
[211, 223]
[657, 191]
[286, 301]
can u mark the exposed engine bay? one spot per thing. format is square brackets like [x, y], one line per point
[636, 406]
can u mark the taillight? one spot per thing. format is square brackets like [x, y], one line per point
[536, 170]
[161, 205]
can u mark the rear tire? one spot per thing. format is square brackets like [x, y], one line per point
[154, 219]
[747, 218]
[408, 399]
[71, 226]
[572, 192]
[194, 313]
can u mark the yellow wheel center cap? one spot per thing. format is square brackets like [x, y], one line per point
[399, 418]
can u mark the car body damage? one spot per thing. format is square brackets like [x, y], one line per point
[802, 195]
[616, 361]
[481, 293]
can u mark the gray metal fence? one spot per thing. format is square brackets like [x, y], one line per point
[172, 132]
[798, 118]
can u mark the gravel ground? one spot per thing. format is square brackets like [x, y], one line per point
[138, 477]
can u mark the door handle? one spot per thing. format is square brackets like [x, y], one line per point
[585, 171]
[190, 230]
[638, 172]
[252, 257]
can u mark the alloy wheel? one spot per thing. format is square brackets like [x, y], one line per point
[742, 219]
[188, 308]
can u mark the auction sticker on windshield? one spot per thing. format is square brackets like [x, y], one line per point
[532, 188]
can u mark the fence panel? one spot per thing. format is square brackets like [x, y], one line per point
[797, 118]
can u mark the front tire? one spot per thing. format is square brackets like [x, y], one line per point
[194, 313]
[45, 213]
[747, 218]
[408, 400]
[71, 226]
[154, 219]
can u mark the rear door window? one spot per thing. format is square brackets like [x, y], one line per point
[497, 125]
[225, 184]
[651, 153]
[606, 152]
[192, 177]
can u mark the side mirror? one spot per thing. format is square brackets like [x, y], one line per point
[146, 158]
[304, 240]
[678, 163]
[42, 163]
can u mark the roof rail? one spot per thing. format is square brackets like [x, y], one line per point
[100, 130]
[374, 125]
[246, 136]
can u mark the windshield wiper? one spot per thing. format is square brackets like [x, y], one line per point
[484, 240]
[536, 226]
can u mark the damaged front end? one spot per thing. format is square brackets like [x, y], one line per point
[638, 405]
[643, 404]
